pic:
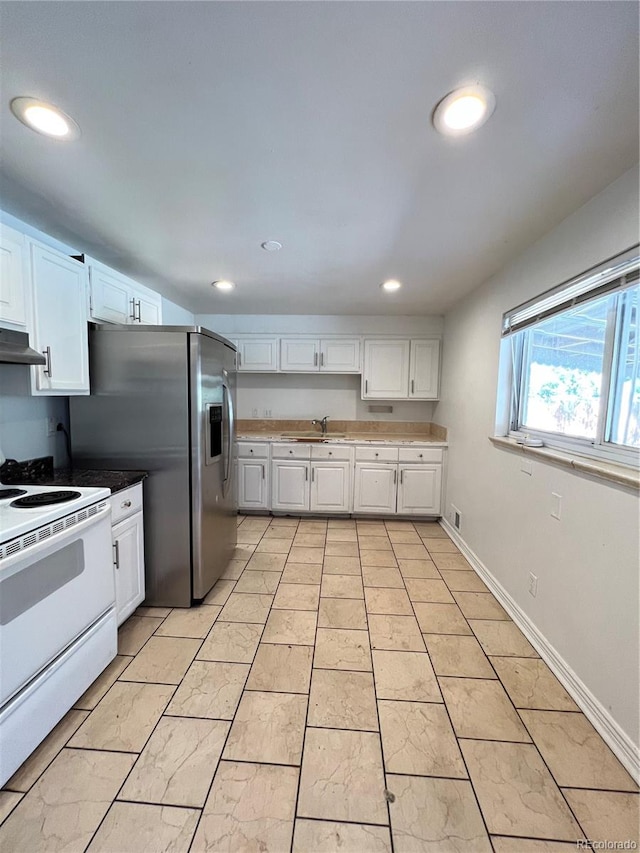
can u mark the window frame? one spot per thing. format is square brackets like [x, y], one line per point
[600, 447]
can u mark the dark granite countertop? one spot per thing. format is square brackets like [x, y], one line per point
[40, 472]
[114, 480]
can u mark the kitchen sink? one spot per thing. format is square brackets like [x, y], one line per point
[312, 435]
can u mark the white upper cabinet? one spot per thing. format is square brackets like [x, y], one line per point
[386, 369]
[118, 299]
[326, 355]
[13, 252]
[340, 355]
[59, 322]
[256, 355]
[424, 369]
[299, 354]
[396, 369]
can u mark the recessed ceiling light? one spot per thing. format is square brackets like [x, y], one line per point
[223, 285]
[463, 110]
[44, 118]
[271, 246]
[391, 285]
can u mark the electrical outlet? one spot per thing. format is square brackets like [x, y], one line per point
[556, 505]
[533, 584]
[456, 517]
[52, 424]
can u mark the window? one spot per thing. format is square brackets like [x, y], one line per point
[575, 363]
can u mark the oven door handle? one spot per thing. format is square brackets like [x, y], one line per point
[10, 565]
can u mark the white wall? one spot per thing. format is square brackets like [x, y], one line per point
[23, 418]
[174, 315]
[314, 395]
[587, 563]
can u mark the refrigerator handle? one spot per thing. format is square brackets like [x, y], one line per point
[228, 400]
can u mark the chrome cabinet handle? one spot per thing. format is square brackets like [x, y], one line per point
[46, 352]
[306, 473]
[126, 503]
[132, 316]
[315, 359]
[262, 466]
[138, 318]
[291, 451]
[250, 450]
[377, 454]
[116, 549]
[239, 354]
[366, 385]
[331, 453]
[413, 385]
[321, 359]
[395, 477]
[401, 477]
[420, 455]
[313, 474]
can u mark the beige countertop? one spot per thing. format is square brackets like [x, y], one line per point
[349, 438]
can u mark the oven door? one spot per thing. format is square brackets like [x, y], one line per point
[50, 593]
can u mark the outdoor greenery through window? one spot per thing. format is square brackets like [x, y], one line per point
[576, 363]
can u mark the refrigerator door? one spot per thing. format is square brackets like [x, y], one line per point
[213, 507]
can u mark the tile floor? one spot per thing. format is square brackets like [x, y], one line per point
[346, 686]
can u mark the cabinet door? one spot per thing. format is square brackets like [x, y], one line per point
[111, 299]
[425, 370]
[375, 488]
[419, 489]
[290, 485]
[148, 309]
[330, 487]
[60, 322]
[128, 561]
[256, 355]
[253, 484]
[340, 355]
[386, 370]
[12, 283]
[299, 354]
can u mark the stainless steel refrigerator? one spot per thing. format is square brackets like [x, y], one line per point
[162, 400]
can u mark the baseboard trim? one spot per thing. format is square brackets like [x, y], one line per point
[619, 742]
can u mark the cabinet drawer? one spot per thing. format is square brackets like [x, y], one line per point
[331, 452]
[291, 451]
[376, 453]
[420, 454]
[126, 502]
[253, 450]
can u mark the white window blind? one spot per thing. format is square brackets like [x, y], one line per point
[617, 273]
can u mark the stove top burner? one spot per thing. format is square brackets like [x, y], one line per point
[5, 494]
[45, 499]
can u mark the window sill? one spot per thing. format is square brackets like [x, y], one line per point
[607, 471]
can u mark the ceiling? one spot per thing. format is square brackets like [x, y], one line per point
[209, 127]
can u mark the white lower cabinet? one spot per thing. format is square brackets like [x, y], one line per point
[289, 485]
[299, 477]
[253, 475]
[330, 487]
[253, 483]
[127, 536]
[419, 489]
[375, 487]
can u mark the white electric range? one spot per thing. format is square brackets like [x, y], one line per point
[57, 608]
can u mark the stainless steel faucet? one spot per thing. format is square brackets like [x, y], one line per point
[322, 422]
